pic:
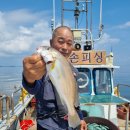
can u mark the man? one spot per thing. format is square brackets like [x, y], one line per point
[36, 82]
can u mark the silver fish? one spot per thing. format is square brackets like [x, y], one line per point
[61, 75]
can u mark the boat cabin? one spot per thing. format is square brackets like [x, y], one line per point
[95, 81]
[95, 72]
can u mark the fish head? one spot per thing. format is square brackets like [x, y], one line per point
[48, 53]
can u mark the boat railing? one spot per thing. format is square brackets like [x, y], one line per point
[119, 86]
[123, 85]
[12, 98]
[7, 100]
[126, 106]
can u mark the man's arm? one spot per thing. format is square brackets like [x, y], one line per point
[31, 88]
[83, 125]
[79, 113]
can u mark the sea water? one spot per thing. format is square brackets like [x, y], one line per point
[11, 79]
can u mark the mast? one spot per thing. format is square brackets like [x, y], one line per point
[53, 17]
[62, 13]
[83, 36]
[76, 13]
[100, 24]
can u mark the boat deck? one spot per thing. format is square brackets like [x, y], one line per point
[122, 124]
[120, 121]
[32, 116]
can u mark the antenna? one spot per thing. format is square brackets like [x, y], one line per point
[53, 17]
[76, 13]
[54, 12]
[101, 26]
[100, 23]
[82, 32]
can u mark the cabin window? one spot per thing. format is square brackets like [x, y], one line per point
[84, 80]
[102, 81]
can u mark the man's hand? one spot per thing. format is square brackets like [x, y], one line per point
[33, 68]
[83, 125]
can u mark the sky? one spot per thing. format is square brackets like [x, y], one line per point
[26, 24]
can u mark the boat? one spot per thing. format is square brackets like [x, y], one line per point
[100, 101]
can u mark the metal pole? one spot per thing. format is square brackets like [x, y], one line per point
[86, 19]
[62, 12]
[91, 17]
[100, 14]
[7, 109]
[76, 14]
[54, 13]
[1, 100]
[127, 118]
[109, 111]
[22, 95]
[12, 103]
[100, 22]
[1, 108]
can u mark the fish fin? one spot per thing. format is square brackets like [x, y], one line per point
[73, 120]
[52, 65]
[77, 103]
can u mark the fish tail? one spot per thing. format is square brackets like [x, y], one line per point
[73, 120]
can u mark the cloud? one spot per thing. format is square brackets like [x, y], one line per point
[106, 38]
[24, 16]
[125, 25]
[22, 31]
[2, 22]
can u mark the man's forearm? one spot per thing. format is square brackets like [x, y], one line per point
[31, 88]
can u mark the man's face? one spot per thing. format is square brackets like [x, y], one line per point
[63, 42]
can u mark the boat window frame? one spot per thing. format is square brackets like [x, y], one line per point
[94, 83]
[89, 84]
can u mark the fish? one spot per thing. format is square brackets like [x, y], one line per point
[62, 77]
